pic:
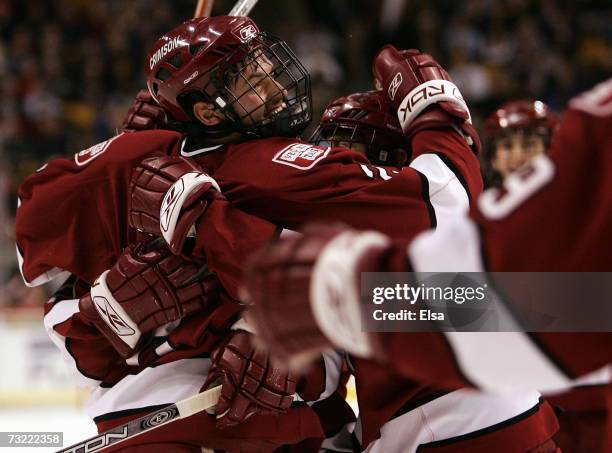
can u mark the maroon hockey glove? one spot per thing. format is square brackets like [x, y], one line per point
[252, 384]
[144, 114]
[305, 291]
[167, 197]
[146, 289]
[422, 92]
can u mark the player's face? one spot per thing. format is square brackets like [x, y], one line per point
[514, 149]
[343, 143]
[259, 95]
[349, 139]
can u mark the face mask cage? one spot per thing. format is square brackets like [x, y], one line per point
[262, 88]
[378, 149]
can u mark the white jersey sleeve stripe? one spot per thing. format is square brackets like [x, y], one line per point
[446, 193]
[452, 247]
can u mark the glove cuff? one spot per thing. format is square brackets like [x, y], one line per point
[243, 324]
[333, 276]
[116, 325]
[426, 94]
[175, 198]
[436, 117]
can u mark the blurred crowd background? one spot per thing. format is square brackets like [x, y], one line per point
[69, 69]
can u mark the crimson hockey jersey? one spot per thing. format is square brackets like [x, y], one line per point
[72, 220]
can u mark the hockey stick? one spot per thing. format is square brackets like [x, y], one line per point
[203, 8]
[171, 413]
[241, 8]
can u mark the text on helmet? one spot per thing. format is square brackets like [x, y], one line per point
[163, 50]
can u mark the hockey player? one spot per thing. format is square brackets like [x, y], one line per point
[515, 133]
[363, 122]
[576, 170]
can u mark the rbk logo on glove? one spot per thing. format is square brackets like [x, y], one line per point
[428, 93]
[167, 196]
[169, 203]
[182, 206]
[110, 316]
[148, 287]
[394, 85]
[113, 313]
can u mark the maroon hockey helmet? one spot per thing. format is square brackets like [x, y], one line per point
[202, 59]
[522, 114]
[364, 118]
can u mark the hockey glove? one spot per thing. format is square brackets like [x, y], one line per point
[422, 92]
[144, 114]
[252, 384]
[305, 291]
[167, 197]
[144, 290]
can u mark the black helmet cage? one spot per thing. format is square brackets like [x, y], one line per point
[270, 58]
[379, 150]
